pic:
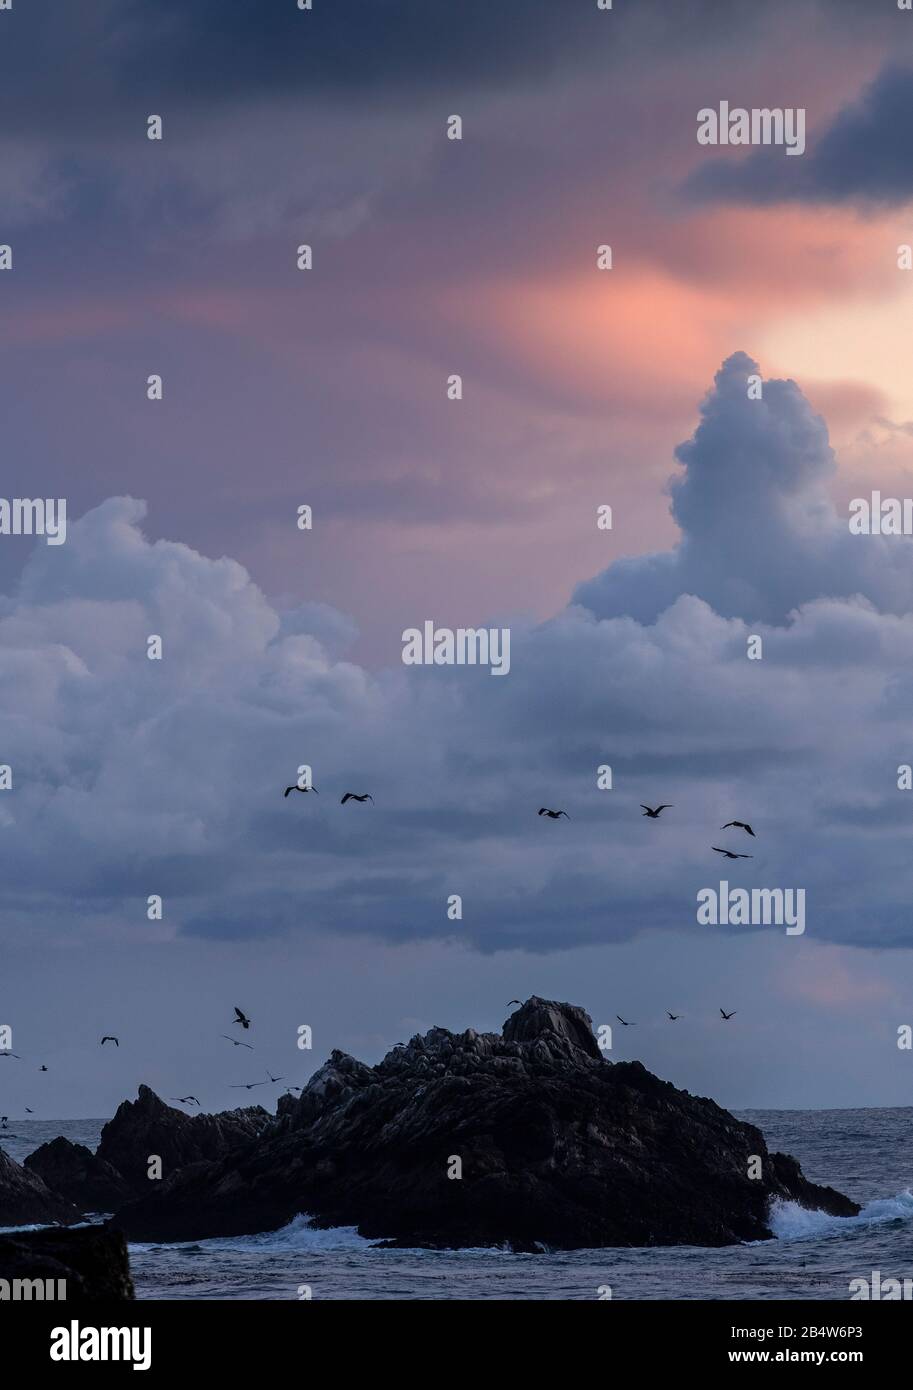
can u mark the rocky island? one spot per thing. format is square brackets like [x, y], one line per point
[528, 1139]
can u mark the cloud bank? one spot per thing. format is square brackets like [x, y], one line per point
[134, 777]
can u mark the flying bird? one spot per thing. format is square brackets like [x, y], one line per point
[654, 814]
[739, 825]
[246, 1085]
[552, 815]
[729, 854]
[237, 1041]
[627, 1025]
[290, 1089]
[28, 1111]
[185, 1100]
[725, 1015]
[353, 796]
[109, 1037]
[512, 1001]
[674, 1017]
[274, 1078]
[241, 1018]
[42, 1067]
[296, 788]
[4, 1053]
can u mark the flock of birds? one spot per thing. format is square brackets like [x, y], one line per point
[239, 1018]
[653, 812]
[631, 1023]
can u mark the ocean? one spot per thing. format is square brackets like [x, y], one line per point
[865, 1153]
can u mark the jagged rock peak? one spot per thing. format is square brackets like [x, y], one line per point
[539, 1017]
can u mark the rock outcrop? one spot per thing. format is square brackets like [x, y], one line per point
[148, 1126]
[91, 1262]
[77, 1174]
[26, 1200]
[554, 1146]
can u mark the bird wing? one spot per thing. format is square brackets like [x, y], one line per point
[645, 808]
[370, 798]
[345, 798]
[666, 806]
[717, 849]
[239, 1017]
[287, 790]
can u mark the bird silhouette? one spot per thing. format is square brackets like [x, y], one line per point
[654, 814]
[42, 1067]
[622, 1021]
[512, 1001]
[725, 1015]
[274, 1078]
[552, 815]
[353, 796]
[109, 1037]
[5, 1053]
[289, 1089]
[28, 1111]
[185, 1100]
[739, 825]
[296, 788]
[729, 854]
[247, 1085]
[237, 1041]
[241, 1018]
[674, 1017]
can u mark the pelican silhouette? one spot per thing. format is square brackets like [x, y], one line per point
[552, 815]
[729, 854]
[353, 796]
[725, 1015]
[654, 814]
[739, 825]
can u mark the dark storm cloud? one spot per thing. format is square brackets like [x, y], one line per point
[865, 155]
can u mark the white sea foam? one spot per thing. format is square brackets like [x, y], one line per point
[299, 1234]
[789, 1221]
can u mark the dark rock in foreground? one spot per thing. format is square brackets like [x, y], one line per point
[26, 1200]
[92, 1262]
[148, 1126]
[77, 1174]
[557, 1146]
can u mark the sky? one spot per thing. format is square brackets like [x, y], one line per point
[582, 388]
